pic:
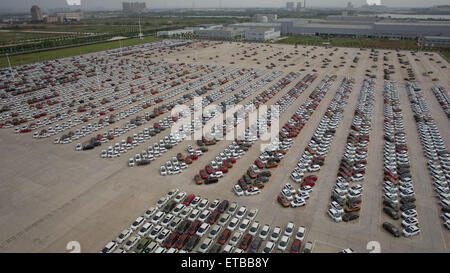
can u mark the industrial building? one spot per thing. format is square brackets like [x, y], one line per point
[176, 32]
[223, 33]
[290, 6]
[133, 7]
[355, 26]
[435, 41]
[261, 34]
[36, 14]
[366, 28]
[265, 18]
[70, 16]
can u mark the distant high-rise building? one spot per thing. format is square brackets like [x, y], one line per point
[133, 7]
[36, 13]
[350, 5]
[290, 6]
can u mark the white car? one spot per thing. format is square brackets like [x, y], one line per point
[158, 216]
[254, 228]
[275, 234]
[131, 162]
[252, 213]
[296, 177]
[137, 223]
[244, 225]
[336, 216]
[155, 232]
[145, 229]
[252, 191]
[298, 202]
[264, 232]
[238, 190]
[300, 235]
[179, 197]
[234, 238]
[205, 245]
[109, 247]
[411, 231]
[123, 235]
[131, 242]
[289, 228]
[283, 242]
[233, 224]
[241, 212]
[202, 229]
[215, 230]
[268, 247]
[163, 171]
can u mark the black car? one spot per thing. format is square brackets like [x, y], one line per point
[391, 229]
[392, 213]
[169, 207]
[391, 205]
[182, 226]
[350, 216]
[223, 206]
[192, 242]
[211, 180]
[255, 245]
[407, 199]
[216, 248]
[407, 206]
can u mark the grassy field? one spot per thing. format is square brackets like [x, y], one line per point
[6, 37]
[350, 42]
[61, 53]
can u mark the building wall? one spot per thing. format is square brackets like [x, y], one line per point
[384, 30]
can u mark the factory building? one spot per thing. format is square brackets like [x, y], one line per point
[261, 34]
[368, 27]
[176, 32]
[224, 33]
[36, 13]
[435, 41]
[134, 7]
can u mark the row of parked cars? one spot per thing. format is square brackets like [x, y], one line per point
[397, 185]
[433, 147]
[188, 223]
[169, 120]
[346, 198]
[443, 98]
[226, 158]
[81, 99]
[274, 152]
[313, 157]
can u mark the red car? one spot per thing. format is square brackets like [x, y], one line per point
[193, 156]
[308, 183]
[213, 217]
[242, 184]
[182, 240]
[188, 199]
[259, 163]
[192, 229]
[209, 169]
[170, 240]
[224, 236]
[223, 169]
[295, 247]
[203, 174]
[246, 241]
[311, 177]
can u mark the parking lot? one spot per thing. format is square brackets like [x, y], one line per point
[53, 194]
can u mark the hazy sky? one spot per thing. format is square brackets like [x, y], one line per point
[6, 5]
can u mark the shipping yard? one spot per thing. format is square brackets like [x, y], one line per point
[94, 146]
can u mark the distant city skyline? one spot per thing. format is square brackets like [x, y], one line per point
[25, 5]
